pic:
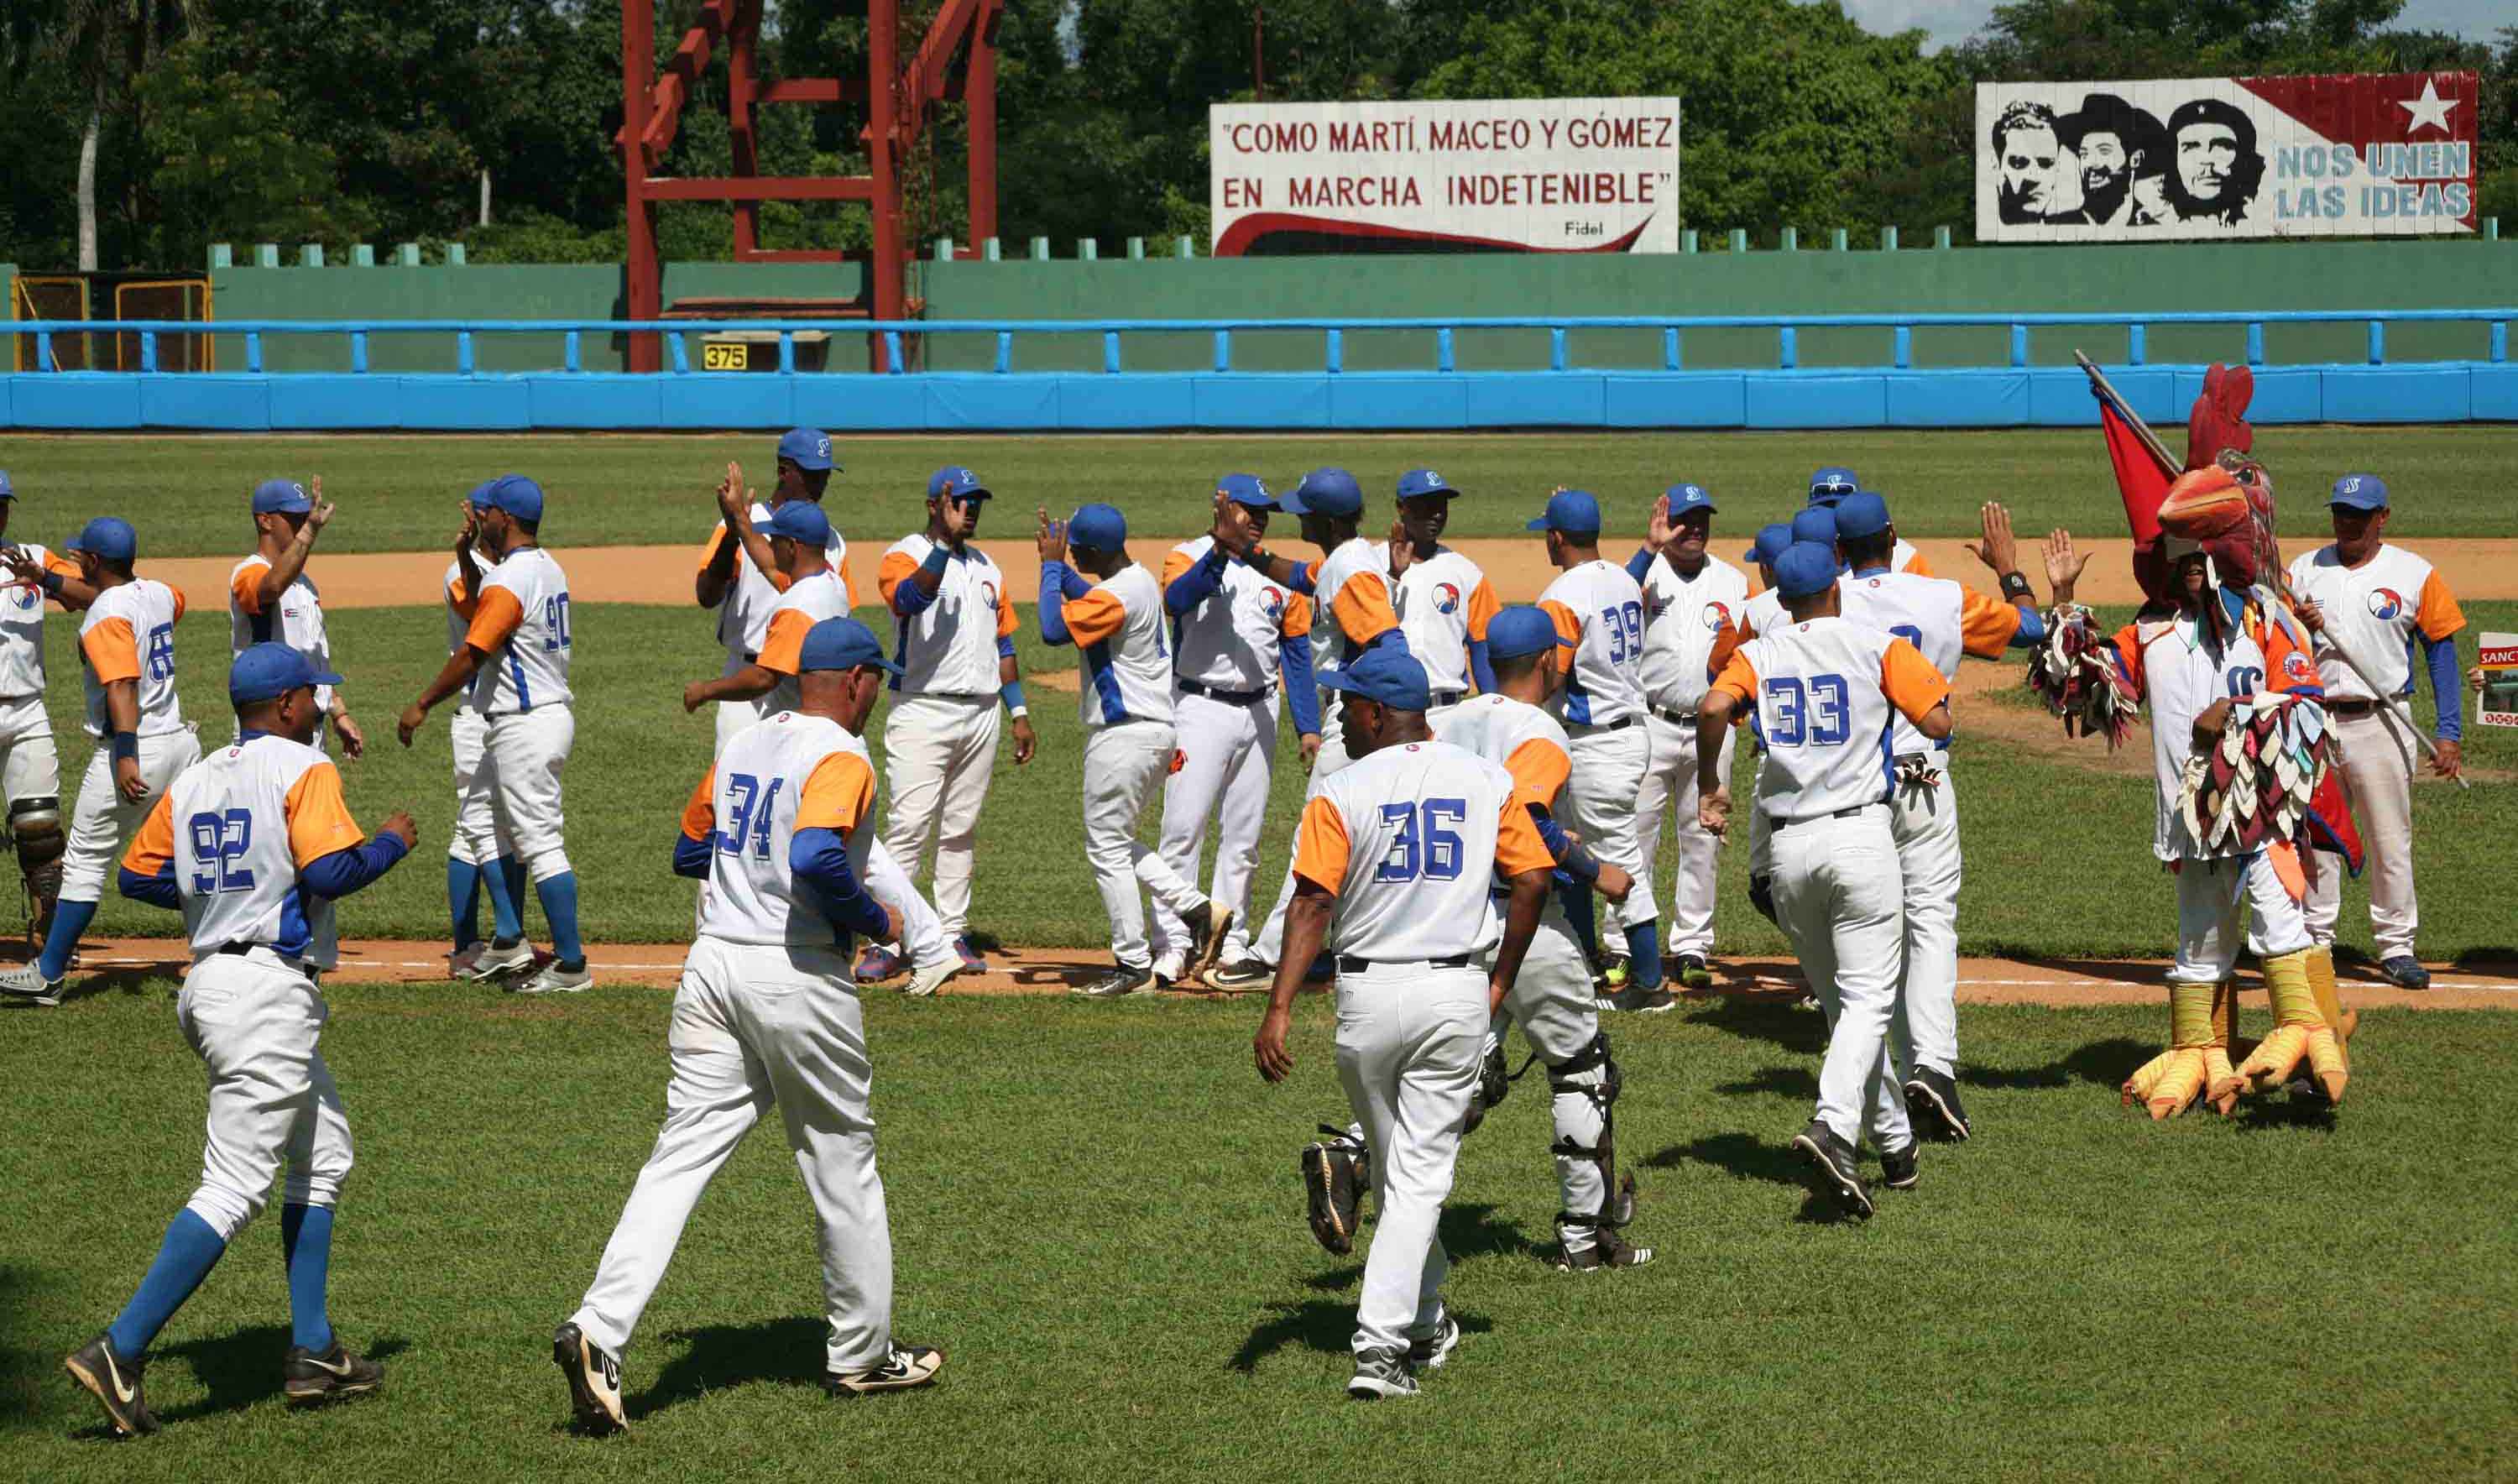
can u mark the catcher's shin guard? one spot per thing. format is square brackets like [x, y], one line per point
[35, 825]
[1337, 1172]
[2300, 1031]
[1592, 1077]
[2169, 1081]
[1493, 1082]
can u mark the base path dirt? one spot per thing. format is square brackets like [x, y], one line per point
[2475, 568]
[1053, 971]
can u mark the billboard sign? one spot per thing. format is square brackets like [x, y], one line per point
[1512, 175]
[2222, 159]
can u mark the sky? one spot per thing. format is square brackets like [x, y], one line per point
[1951, 21]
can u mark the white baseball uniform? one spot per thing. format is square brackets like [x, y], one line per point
[767, 1013]
[939, 741]
[128, 634]
[1944, 621]
[30, 764]
[1407, 841]
[1826, 692]
[520, 624]
[296, 620]
[1763, 614]
[1599, 612]
[479, 838]
[238, 830]
[1551, 997]
[1905, 559]
[2377, 609]
[1351, 587]
[1444, 603]
[743, 615]
[1125, 696]
[1228, 650]
[1683, 615]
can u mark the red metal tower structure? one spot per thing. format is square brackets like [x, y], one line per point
[895, 96]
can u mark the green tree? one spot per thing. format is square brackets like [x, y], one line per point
[229, 165]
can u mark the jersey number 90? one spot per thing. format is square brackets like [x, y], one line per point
[1420, 845]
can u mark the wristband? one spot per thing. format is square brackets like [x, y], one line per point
[51, 583]
[125, 744]
[1012, 694]
[1581, 864]
[2016, 587]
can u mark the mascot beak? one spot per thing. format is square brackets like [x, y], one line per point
[2203, 504]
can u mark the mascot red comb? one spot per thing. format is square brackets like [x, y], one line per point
[2240, 747]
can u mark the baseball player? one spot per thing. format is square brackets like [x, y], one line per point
[1350, 589]
[2382, 601]
[767, 1013]
[1397, 855]
[127, 649]
[1234, 632]
[953, 628]
[1443, 600]
[1946, 621]
[1115, 621]
[1599, 614]
[513, 669]
[265, 846]
[271, 597]
[1690, 596]
[738, 577]
[1816, 524]
[480, 853]
[1830, 486]
[30, 768]
[1826, 692]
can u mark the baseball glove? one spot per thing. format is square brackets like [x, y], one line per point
[1336, 1172]
[1492, 1083]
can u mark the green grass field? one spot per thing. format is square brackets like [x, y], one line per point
[187, 495]
[1095, 1212]
[2057, 857]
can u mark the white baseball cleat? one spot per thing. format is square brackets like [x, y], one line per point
[930, 978]
[25, 984]
[1429, 1353]
[555, 977]
[495, 958]
[1380, 1376]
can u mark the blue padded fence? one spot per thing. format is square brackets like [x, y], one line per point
[1650, 383]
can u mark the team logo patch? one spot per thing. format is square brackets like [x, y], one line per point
[988, 595]
[1447, 598]
[1717, 615]
[25, 597]
[2295, 666]
[2385, 604]
[1273, 600]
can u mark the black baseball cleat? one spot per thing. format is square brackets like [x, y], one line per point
[1828, 1154]
[1336, 1170]
[1638, 999]
[115, 1382]
[1241, 974]
[1693, 973]
[1381, 1375]
[1607, 1251]
[594, 1381]
[1898, 1167]
[905, 1369]
[2405, 972]
[1932, 1101]
[311, 1379]
[1120, 983]
[1430, 1352]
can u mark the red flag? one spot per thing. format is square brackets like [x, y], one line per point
[2140, 478]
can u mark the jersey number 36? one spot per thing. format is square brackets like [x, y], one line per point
[1420, 845]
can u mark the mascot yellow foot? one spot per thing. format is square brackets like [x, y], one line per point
[2200, 1027]
[2300, 1031]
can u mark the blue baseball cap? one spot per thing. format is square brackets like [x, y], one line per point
[2360, 492]
[514, 494]
[1832, 484]
[1246, 490]
[1418, 482]
[1815, 523]
[955, 482]
[841, 644]
[280, 496]
[1521, 629]
[799, 520]
[1685, 497]
[266, 671]
[1769, 544]
[1097, 528]
[1571, 511]
[1859, 514]
[1324, 492]
[6, 492]
[1804, 568]
[1389, 675]
[108, 537]
[808, 449]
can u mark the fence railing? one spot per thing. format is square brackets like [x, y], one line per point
[1112, 334]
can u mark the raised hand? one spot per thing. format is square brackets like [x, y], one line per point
[733, 502]
[1051, 536]
[1402, 550]
[2064, 564]
[1661, 529]
[1996, 547]
[321, 515]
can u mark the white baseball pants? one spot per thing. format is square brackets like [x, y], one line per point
[1924, 820]
[1552, 999]
[1124, 766]
[938, 755]
[1842, 902]
[526, 750]
[102, 822]
[1668, 791]
[2378, 763]
[1407, 1041]
[1600, 795]
[478, 837]
[1228, 750]
[756, 1025]
[30, 766]
[1270, 946]
[2225, 904]
[254, 1023]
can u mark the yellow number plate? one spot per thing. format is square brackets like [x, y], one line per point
[719, 356]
